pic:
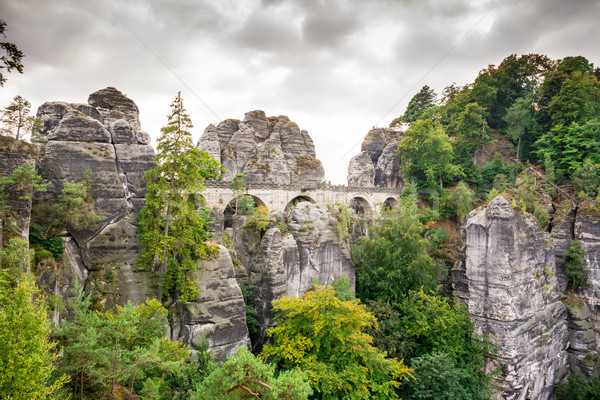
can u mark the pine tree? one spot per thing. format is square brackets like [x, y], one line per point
[173, 232]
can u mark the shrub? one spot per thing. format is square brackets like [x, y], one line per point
[575, 266]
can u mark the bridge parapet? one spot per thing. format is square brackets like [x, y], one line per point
[325, 186]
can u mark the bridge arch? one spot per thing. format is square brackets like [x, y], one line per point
[298, 199]
[361, 206]
[229, 210]
[391, 203]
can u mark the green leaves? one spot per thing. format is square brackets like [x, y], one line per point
[325, 337]
[26, 353]
[245, 376]
[575, 266]
[173, 232]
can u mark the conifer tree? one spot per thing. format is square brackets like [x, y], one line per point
[173, 232]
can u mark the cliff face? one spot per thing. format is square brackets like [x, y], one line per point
[514, 298]
[268, 149]
[512, 278]
[378, 163]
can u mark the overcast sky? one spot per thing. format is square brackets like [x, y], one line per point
[335, 67]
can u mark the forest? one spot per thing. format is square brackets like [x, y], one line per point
[527, 129]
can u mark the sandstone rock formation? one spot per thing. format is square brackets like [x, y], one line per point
[378, 163]
[105, 137]
[510, 286]
[269, 150]
[288, 263]
[219, 316]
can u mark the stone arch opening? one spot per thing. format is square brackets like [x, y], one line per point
[361, 207]
[243, 208]
[298, 199]
[391, 203]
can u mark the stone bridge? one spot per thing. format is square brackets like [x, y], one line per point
[363, 200]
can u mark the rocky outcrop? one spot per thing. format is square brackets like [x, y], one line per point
[103, 137]
[218, 316]
[378, 163]
[514, 298]
[287, 263]
[269, 150]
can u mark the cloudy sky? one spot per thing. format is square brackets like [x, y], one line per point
[335, 67]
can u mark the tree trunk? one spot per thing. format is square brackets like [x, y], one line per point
[164, 260]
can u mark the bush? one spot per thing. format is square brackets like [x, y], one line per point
[586, 178]
[575, 266]
[462, 198]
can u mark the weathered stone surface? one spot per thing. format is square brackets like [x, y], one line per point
[111, 100]
[102, 137]
[514, 298]
[375, 142]
[219, 316]
[133, 161]
[387, 173]
[361, 172]
[267, 149]
[121, 132]
[75, 126]
[379, 152]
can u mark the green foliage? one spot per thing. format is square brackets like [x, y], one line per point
[251, 312]
[53, 244]
[393, 260]
[24, 181]
[341, 212]
[575, 266]
[259, 219]
[342, 288]
[15, 120]
[244, 376]
[587, 179]
[26, 353]
[462, 197]
[472, 132]
[427, 153]
[12, 59]
[246, 205]
[123, 351]
[436, 377]
[433, 324]
[16, 256]
[324, 337]
[577, 387]
[173, 232]
[421, 101]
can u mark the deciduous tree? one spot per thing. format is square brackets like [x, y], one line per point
[325, 337]
[26, 352]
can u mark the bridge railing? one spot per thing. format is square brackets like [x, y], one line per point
[306, 187]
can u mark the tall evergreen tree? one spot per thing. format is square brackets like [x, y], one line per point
[417, 105]
[173, 232]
